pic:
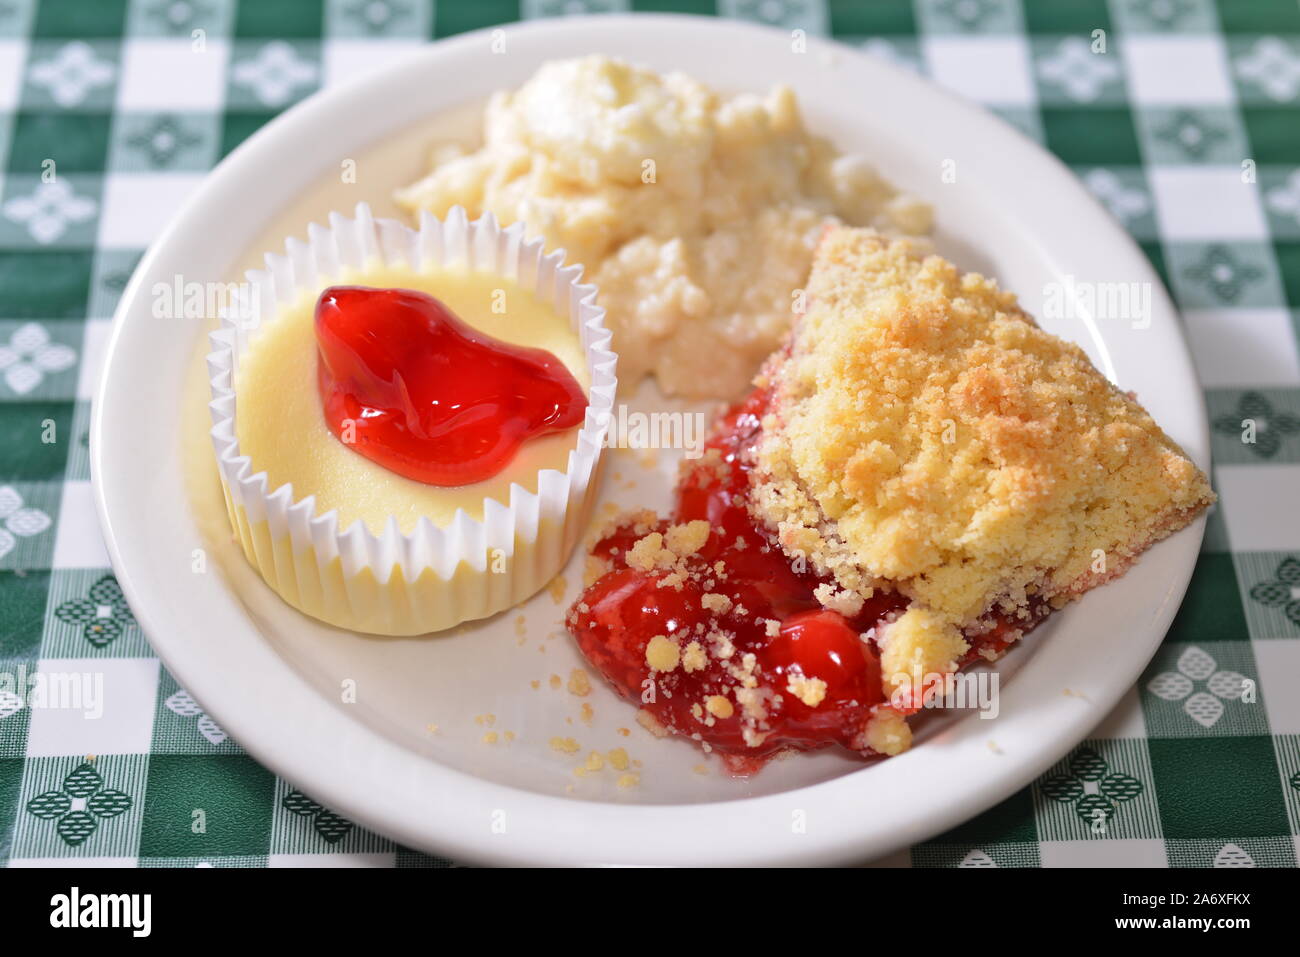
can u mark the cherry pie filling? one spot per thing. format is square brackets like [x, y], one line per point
[765, 667]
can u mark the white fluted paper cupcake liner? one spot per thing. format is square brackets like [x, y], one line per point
[435, 576]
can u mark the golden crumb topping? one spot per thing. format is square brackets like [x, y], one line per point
[920, 643]
[927, 433]
[887, 732]
[662, 653]
[811, 691]
[579, 683]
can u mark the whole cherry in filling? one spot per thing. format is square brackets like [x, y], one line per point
[707, 624]
[410, 385]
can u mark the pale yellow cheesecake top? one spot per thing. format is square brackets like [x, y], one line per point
[281, 427]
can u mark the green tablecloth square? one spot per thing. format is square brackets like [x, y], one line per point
[456, 18]
[888, 17]
[1258, 16]
[239, 125]
[1218, 787]
[80, 18]
[1212, 609]
[283, 18]
[78, 140]
[23, 595]
[233, 792]
[1272, 132]
[45, 283]
[24, 428]
[1067, 16]
[1097, 137]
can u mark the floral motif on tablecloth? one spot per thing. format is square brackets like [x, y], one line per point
[103, 614]
[1271, 427]
[18, 520]
[72, 73]
[1092, 788]
[1196, 666]
[30, 355]
[330, 826]
[79, 805]
[49, 209]
[1223, 273]
[1282, 591]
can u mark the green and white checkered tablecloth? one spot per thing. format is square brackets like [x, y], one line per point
[1190, 100]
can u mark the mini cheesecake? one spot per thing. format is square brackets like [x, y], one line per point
[920, 476]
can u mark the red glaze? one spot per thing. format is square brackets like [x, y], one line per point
[410, 385]
[616, 617]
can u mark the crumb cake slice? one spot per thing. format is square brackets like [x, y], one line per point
[920, 476]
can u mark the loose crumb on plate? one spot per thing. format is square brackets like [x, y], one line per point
[579, 683]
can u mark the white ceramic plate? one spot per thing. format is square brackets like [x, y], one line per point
[273, 678]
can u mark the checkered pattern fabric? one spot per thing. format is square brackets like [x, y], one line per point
[1182, 116]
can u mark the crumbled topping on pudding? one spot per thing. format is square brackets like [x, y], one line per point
[694, 212]
[927, 433]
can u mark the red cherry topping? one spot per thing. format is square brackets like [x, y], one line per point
[413, 387]
[811, 675]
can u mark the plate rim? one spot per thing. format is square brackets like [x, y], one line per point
[443, 828]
